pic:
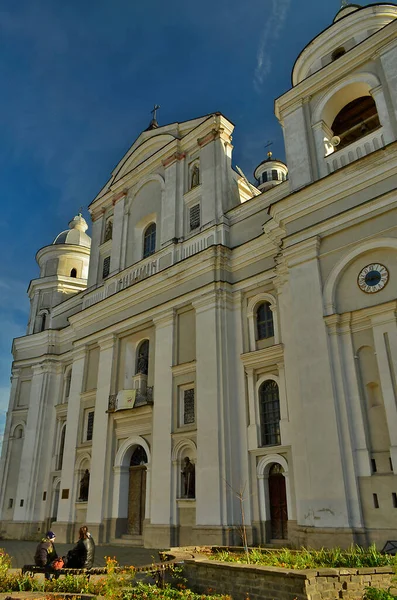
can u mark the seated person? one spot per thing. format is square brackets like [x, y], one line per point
[83, 554]
[46, 553]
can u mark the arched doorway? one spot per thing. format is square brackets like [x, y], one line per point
[278, 503]
[137, 491]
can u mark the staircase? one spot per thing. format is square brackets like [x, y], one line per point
[128, 540]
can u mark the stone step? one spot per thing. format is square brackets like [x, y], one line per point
[128, 540]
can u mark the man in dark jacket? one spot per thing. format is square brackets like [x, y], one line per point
[83, 554]
[46, 553]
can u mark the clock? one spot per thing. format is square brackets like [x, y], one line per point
[373, 278]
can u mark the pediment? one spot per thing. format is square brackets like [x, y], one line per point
[140, 152]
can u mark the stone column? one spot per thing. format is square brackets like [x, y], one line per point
[100, 470]
[210, 468]
[67, 499]
[297, 147]
[389, 61]
[385, 336]
[319, 466]
[160, 509]
[97, 224]
[4, 464]
[117, 237]
[34, 432]
[345, 423]
[383, 113]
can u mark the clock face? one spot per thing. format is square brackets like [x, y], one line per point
[373, 278]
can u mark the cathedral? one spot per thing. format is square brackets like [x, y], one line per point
[218, 347]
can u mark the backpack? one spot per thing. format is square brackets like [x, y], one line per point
[57, 564]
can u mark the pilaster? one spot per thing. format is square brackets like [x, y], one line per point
[117, 238]
[68, 483]
[160, 509]
[97, 225]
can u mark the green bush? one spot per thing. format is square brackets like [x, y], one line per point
[372, 593]
[5, 563]
[307, 558]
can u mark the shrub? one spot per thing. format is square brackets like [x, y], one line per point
[372, 593]
[307, 558]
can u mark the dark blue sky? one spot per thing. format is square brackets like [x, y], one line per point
[79, 79]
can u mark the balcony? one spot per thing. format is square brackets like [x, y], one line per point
[130, 399]
[365, 145]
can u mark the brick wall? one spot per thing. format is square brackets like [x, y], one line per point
[272, 583]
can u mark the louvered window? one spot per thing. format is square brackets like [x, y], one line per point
[194, 217]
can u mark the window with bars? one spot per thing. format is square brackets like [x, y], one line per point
[106, 267]
[149, 240]
[269, 408]
[194, 217]
[188, 407]
[264, 322]
[89, 426]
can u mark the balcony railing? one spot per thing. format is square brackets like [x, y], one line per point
[141, 399]
[151, 265]
[365, 145]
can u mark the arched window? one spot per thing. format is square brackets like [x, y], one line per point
[43, 321]
[18, 432]
[61, 448]
[269, 408]
[68, 381]
[73, 273]
[149, 240]
[142, 358]
[264, 322]
[355, 120]
[274, 174]
[139, 457]
[264, 177]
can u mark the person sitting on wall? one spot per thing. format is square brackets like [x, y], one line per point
[46, 553]
[83, 554]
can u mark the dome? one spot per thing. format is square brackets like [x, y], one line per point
[75, 234]
[270, 172]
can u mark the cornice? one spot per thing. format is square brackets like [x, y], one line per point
[184, 368]
[264, 357]
[173, 158]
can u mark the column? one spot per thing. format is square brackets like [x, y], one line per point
[117, 237]
[297, 148]
[253, 427]
[99, 476]
[4, 465]
[318, 461]
[319, 135]
[168, 203]
[345, 424]
[68, 492]
[97, 222]
[210, 468]
[389, 61]
[160, 509]
[30, 460]
[383, 113]
[385, 337]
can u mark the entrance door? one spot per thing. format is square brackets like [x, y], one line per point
[137, 492]
[278, 503]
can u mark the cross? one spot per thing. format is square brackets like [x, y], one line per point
[81, 210]
[154, 111]
[268, 144]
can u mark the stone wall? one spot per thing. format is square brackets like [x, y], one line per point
[269, 583]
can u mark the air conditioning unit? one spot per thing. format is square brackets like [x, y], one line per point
[125, 399]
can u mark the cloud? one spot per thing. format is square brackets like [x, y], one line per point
[270, 34]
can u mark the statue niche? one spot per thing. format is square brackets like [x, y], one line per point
[189, 479]
[194, 176]
[84, 486]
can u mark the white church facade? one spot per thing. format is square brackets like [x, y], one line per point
[216, 338]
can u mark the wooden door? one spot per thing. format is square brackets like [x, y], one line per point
[136, 500]
[278, 505]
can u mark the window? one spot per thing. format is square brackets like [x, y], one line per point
[10, 502]
[18, 432]
[73, 273]
[106, 267]
[149, 240]
[186, 406]
[61, 448]
[373, 465]
[264, 177]
[376, 501]
[274, 174]
[68, 381]
[338, 53]
[264, 322]
[88, 425]
[355, 120]
[21, 502]
[269, 405]
[43, 321]
[194, 217]
[394, 499]
[142, 358]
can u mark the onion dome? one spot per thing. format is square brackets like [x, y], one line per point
[75, 234]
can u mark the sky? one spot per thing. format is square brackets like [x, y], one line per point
[78, 82]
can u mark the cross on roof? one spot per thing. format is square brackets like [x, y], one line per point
[154, 111]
